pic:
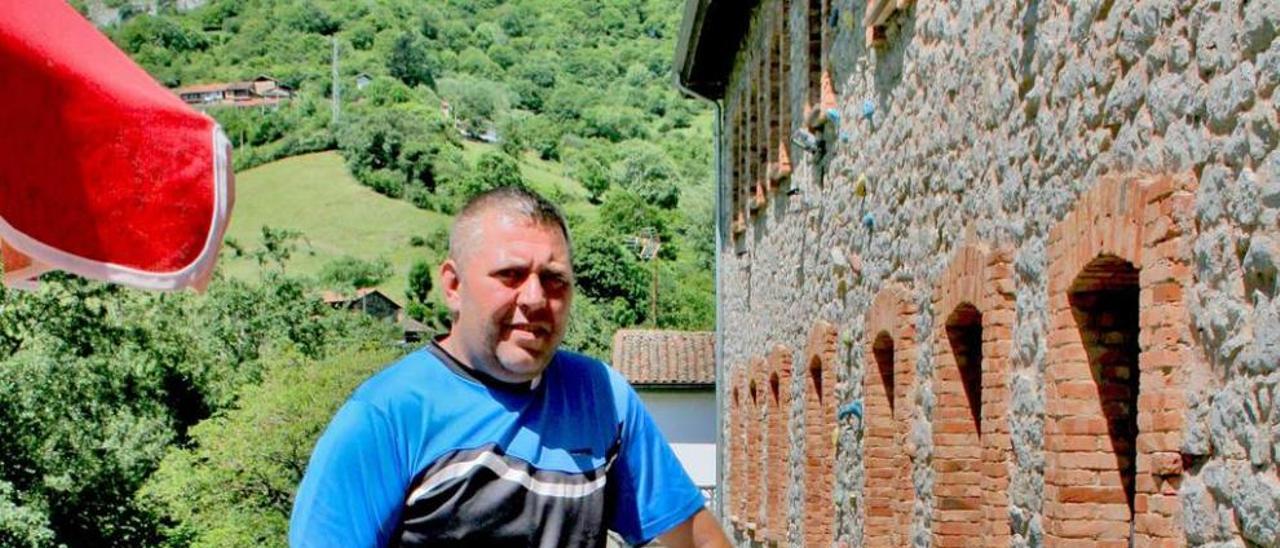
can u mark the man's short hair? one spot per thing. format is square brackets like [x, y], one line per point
[519, 201]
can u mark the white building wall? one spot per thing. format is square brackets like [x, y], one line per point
[687, 418]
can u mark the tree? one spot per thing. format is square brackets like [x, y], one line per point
[627, 212]
[409, 140]
[477, 103]
[306, 16]
[107, 379]
[590, 166]
[410, 62]
[278, 244]
[421, 306]
[606, 270]
[159, 31]
[496, 170]
[419, 282]
[647, 170]
[350, 273]
[234, 486]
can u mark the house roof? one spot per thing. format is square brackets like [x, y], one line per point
[414, 326]
[201, 88]
[663, 357]
[334, 297]
[710, 36]
[215, 86]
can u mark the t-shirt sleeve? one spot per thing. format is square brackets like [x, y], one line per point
[653, 492]
[354, 487]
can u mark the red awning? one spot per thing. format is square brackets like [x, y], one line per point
[103, 171]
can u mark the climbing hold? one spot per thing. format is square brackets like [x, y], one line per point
[868, 109]
[853, 408]
[835, 18]
[833, 114]
[861, 188]
[844, 136]
[855, 263]
[838, 259]
[869, 220]
[805, 140]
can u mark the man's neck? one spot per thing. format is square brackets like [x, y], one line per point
[483, 364]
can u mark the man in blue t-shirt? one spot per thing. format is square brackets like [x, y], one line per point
[492, 436]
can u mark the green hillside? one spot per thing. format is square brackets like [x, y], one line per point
[315, 195]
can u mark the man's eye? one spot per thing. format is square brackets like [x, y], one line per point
[554, 283]
[509, 275]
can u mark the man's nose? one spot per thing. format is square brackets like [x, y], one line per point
[532, 295]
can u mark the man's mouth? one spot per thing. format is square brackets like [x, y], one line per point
[531, 329]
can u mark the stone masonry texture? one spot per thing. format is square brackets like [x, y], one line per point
[1002, 273]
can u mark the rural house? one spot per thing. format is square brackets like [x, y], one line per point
[375, 303]
[261, 91]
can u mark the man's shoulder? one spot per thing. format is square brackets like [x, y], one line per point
[582, 369]
[402, 378]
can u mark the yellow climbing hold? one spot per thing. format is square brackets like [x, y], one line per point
[835, 437]
[861, 188]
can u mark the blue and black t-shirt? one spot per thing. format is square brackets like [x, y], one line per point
[429, 452]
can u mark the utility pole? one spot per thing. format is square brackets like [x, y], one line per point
[648, 243]
[653, 295]
[337, 108]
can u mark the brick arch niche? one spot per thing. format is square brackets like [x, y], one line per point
[778, 464]
[972, 338]
[755, 417]
[1119, 353]
[819, 424]
[737, 449]
[888, 375]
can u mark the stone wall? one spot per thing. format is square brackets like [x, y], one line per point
[1063, 219]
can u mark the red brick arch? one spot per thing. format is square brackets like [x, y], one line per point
[1118, 265]
[888, 375]
[757, 394]
[778, 475]
[819, 424]
[972, 338]
[738, 448]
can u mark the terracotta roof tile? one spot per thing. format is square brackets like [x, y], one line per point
[647, 356]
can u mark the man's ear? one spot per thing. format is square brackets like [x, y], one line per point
[450, 282]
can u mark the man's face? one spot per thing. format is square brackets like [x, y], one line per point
[510, 288]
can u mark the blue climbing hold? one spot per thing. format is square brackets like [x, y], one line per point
[869, 221]
[844, 136]
[868, 109]
[853, 408]
[835, 18]
[833, 114]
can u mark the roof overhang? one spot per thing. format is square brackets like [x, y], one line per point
[673, 387]
[710, 36]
